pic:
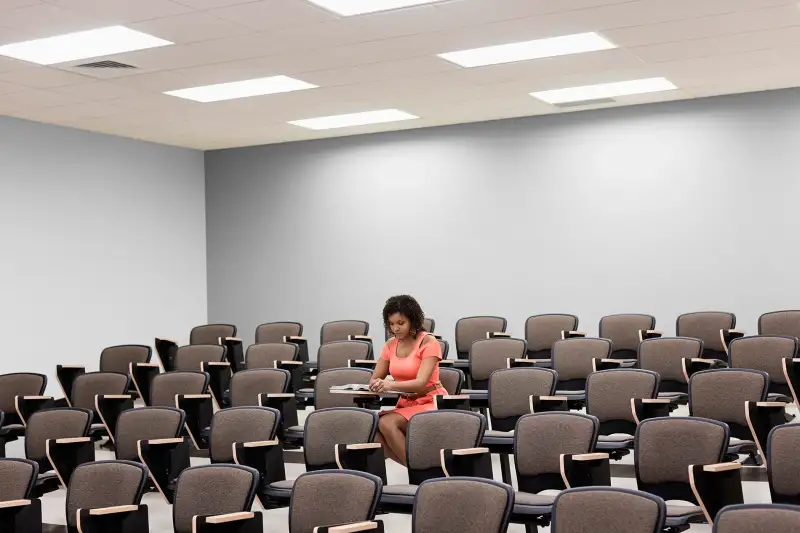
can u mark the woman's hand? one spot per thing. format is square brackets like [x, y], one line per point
[377, 385]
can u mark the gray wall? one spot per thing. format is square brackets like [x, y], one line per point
[661, 209]
[103, 242]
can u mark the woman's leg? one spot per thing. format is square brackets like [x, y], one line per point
[392, 427]
[386, 450]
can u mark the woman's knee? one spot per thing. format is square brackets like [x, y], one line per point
[390, 424]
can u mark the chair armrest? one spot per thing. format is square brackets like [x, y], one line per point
[260, 443]
[470, 462]
[572, 334]
[102, 511]
[14, 503]
[585, 470]
[72, 440]
[165, 460]
[162, 442]
[362, 363]
[539, 404]
[460, 402]
[644, 408]
[65, 455]
[446, 362]
[194, 396]
[497, 335]
[761, 417]
[696, 364]
[280, 364]
[716, 486]
[606, 364]
[241, 522]
[366, 457]
[513, 363]
[649, 334]
[727, 335]
[359, 338]
[355, 527]
[230, 517]
[265, 456]
[294, 338]
[27, 405]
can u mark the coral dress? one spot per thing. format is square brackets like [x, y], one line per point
[407, 368]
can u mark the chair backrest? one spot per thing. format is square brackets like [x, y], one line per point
[335, 354]
[623, 331]
[757, 518]
[706, 326]
[104, 484]
[339, 330]
[119, 358]
[541, 331]
[325, 428]
[780, 323]
[47, 424]
[428, 324]
[19, 384]
[452, 379]
[763, 352]
[324, 398]
[664, 355]
[665, 447]
[212, 490]
[276, 331]
[474, 328]
[488, 355]
[190, 358]
[240, 424]
[609, 394]
[783, 464]
[572, 358]
[165, 386]
[541, 438]
[445, 346]
[248, 384]
[87, 386]
[588, 509]
[429, 432]
[721, 394]
[265, 355]
[17, 477]
[462, 505]
[211, 333]
[510, 390]
[330, 497]
[145, 423]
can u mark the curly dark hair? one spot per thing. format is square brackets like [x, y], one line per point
[408, 307]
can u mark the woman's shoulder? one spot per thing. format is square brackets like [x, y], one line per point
[427, 339]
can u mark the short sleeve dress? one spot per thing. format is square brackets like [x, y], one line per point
[407, 368]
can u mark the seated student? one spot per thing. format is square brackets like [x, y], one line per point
[412, 358]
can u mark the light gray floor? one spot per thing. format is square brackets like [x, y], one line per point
[276, 521]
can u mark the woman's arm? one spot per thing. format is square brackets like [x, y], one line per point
[381, 370]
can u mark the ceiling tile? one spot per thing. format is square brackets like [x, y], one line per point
[210, 4]
[62, 114]
[156, 82]
[97, 91]
[190, 27]
[274, 14]
[8, 88]
[44, 20]
[42, 77]
[402, 68]
[123, 11]
[33, 99]
[224, 72]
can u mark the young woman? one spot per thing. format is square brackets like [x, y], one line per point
[412, 358]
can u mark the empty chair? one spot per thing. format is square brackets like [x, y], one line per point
[240, 424]
[17, 478]
[247, 385]
[488, 355]
[609, 395]
[341, 330]
[324, 399]
[427, 434]
[462, 505]
[721, 395]
[276, 331]
[64, 423]
[267, 354]
[118, 358]
[588, 509]
[104, 484]
[13, 385]
[665, 356]
[706, 326]
[332, 497]
[783, 466]
[445, 346]
[664, 450]
[191, 358]
[474, 328]
[336, 354]
[166, 386]
[452, 379]
[212, 490]
[428, 324]
[623, 331]
[87, 386]
[780, 323]
[146, 423]
[510, 392]
[572, 359]
[211, 333]
[758, 518]
[766, 352]
[541, 331]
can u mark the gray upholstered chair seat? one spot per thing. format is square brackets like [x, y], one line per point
[399, 494]
[775, 397]
[672, 395]
[678, 515]
[13, 427]
[295, 431]
[47, 475]
[477, 394]
[280, 489]
[742, 446]
[572, 394]
[498, 437]
[305, 393]
[614, 442]
[534, 504]
[97, 427]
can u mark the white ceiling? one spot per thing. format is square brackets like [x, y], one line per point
[377, 61]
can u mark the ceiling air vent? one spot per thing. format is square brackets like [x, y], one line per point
[105, 64]
[594, 101]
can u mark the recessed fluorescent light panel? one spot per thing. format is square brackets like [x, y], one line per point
[605, 90]
[524, 51]
[242, 89]
[82, 45]
[354, 119]
[348, 8]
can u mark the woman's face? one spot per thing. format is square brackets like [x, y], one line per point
[400, 326]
